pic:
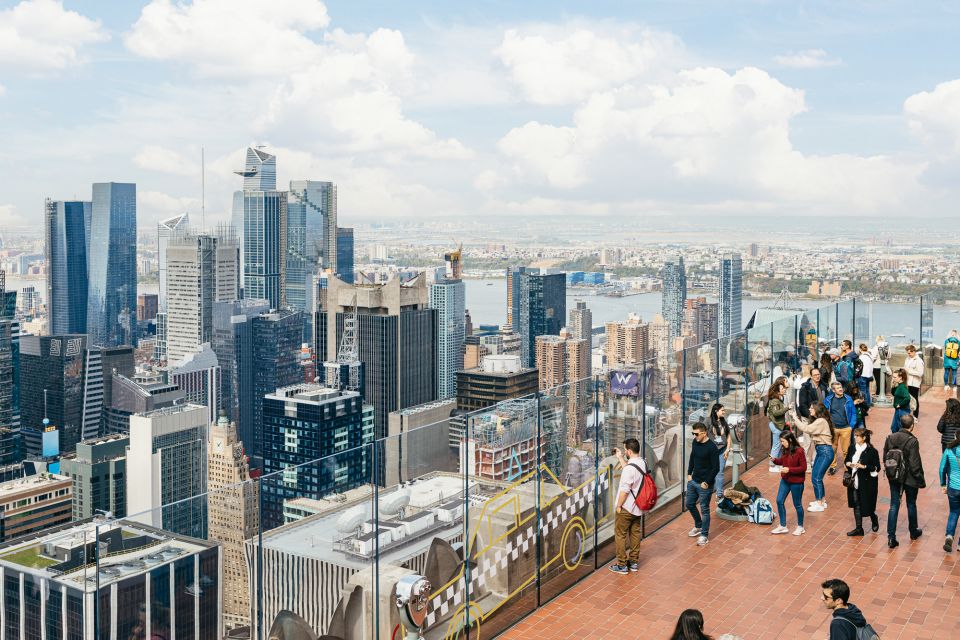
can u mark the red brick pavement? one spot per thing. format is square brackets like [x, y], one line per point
[755, 585]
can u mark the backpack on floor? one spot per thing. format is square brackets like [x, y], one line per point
[865, 632]
[646, 498]
[760, 512]
[894, 465]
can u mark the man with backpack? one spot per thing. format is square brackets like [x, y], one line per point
[951, 356]
[904, 469]
[628, 527]
[843, 412]
[702, 470]
[848, 622]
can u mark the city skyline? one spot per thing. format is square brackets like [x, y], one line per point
[772, 108]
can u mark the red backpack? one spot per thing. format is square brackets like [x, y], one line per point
[646, 498]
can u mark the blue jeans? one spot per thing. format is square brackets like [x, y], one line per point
[697, 495]
[895, 425]
[864, 385]
[896, 490]
[796, 491]
[950, 377]
[821, 462]
[953, 499]
[718, 482]
[775, 448]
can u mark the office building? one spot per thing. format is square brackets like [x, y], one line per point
[152, 584]
[674, 276]
[100, 366]
[233, 516]
[563, 363]
[160, 340]
[448, 297]
[581, 321]
[418, 441]
[273, 359]
[52, 379]
[498, 378]
[201, 270]
[311, 238]
[396, 340]
[11, 448]
[130, 396]
[199, 377]
[112, 265]
[147, 306]
[98, 472]
[167, 469]
[302, 424]
[30, 304]
[66, 229]
[345, 260]
[627, 342]
[166, 229]
[731, 293]
[260, 213]
[514, 274]
[233, 346]
[33, 503]
[542, 302]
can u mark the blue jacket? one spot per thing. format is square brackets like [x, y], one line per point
[949, 363]
[950, 469]
[851, 409]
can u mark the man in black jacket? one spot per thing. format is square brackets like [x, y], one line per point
[702, 470]
[812, 392]
[847, 618]
[909, 448]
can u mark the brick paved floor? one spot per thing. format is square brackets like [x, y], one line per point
[755, 585]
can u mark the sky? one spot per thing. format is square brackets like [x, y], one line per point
[626, 109]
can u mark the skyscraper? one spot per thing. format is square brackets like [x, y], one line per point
[306, 422]
[448, 297]
[166, 469]
[66, 227]
[513, 301]
[345, 254]
[198, 376]
[201, 270]
[112, 265]
[731, 294]
[260, 211]
[674, 293]
[10, 442]
[700, 319]
[52, 378]
[396, 336]
[166, 229]
[542, 301]
[233, 515]
[275, 345]
[311, 238]
[101, 363]
[627, 342]
[98, 469]
[563, 363]
[581, 321]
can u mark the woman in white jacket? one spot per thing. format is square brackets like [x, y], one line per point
[914, 368]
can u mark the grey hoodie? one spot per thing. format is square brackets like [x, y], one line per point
[843, 630]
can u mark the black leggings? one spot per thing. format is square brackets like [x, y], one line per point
[915, 392]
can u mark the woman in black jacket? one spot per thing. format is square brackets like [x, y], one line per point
[949, 425]
[863, 463]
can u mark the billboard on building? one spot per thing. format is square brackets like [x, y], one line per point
[625, 383]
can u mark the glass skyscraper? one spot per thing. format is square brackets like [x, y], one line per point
[674, 297]
[731, 294]
[10, 442]
[542, 302]
[66, 225]
[53, 377]
[112, 265]
[275, 344]
[448, 297]
[345, 254]
[311, 238]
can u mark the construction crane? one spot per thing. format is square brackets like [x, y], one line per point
[347, 371]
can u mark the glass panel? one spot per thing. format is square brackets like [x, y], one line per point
[664, 437]
[845, 313]
[700, 393]
[759, 372]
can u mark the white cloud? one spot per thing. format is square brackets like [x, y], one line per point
[935, 115]
[153, 206]
[39, 35]
[3, 89]
[564, 65]
[162, 159]
[807, 59]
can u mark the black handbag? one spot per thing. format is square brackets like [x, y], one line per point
[847, 479]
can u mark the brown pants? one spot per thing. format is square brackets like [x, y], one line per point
[628, 532]
[841, 442]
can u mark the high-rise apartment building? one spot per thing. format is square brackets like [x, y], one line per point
[199, 376]
[396, 336]
[98, 471]
[731, 294]
[11, 449]
[345, 262]
[700, 320]
[311, 238]
[201, 270]
[112, 265]
[304, 423]
[628, 342]
[167, 469]
[563, 363]
[581, 321]
[674, 294]
[66, 229]
[32, 503]
[260, 212]
[659, 335]
[542, 304]
[167, 229]
[233, 516]
[448, 297]
[275, 347]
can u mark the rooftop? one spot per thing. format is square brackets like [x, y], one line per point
[30, 483]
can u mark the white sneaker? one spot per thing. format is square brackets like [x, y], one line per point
[946, 387]
[799, 531]
[693, 533]
[702, 541]
[816, 507]
[780, 530]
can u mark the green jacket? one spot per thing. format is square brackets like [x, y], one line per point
[901, 397]
[777, 411]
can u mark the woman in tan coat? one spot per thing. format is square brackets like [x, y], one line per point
[820, 429]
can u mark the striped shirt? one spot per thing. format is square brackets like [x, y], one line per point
[950, 468]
